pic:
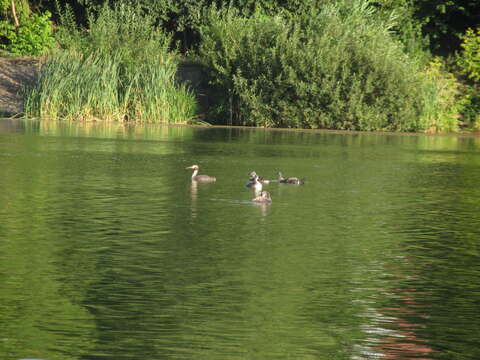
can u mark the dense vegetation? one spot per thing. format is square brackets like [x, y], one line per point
[364, 65]
[324, 69]
[121, 69]
[23, 32]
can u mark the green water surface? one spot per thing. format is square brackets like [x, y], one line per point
[108, 251]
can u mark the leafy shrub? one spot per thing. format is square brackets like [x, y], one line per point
[444, 98]
[185, 18]
[337, 68]
[33, 37]
[467, 68]
[470, 97]
[470, 57]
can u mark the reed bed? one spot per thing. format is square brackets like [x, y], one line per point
[122, 69]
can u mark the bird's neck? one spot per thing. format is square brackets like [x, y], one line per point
[195, 172]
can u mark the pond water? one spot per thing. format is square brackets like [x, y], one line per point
[108, 251]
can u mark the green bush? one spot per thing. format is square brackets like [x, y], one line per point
[469, 59]
[337, 67]
[470, 97]
[33, 37]
[467, 68]
[121, 69]
[184, 18]
[445, 101]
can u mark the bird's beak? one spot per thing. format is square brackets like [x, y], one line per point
[189, 167]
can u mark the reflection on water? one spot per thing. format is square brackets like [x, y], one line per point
[109, 251]
[393, 327]
[263, 207]
[193, 192]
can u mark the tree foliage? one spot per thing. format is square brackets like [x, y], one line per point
[23, 32]
[445, 21]
[470, 56]
[468, 61]
[442, 22]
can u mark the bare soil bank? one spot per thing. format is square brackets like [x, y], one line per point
[14, 74]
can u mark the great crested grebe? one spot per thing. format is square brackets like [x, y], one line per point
[261, 180]
[254, 183]
[290, 180]
[200, 178]
[264, 197]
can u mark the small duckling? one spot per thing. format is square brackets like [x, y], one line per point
[264, 197]
[290, 180]
[200, 178]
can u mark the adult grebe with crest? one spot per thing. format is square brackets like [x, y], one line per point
[200, 178]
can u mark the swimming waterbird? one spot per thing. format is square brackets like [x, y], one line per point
[290, 180]
[254, 183]
[264, 197]
[200, 178]
[261, 180]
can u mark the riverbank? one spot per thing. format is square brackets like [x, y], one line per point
[15, 73]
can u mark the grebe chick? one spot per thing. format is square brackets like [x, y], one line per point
[290, 180]
[261, 180]
[263, 198]
[200, 178]
[254, 183]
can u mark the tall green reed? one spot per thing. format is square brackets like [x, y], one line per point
[122, 68]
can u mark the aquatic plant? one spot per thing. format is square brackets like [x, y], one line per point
[122, 68]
